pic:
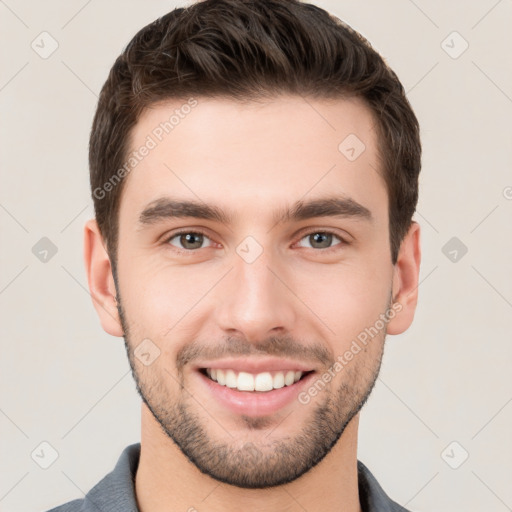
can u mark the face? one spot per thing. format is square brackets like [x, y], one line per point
[253, 253]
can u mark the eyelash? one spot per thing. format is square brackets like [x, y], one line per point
[167, 240]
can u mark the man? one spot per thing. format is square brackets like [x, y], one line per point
[254, 169]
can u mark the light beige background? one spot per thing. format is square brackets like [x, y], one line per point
[65, 382]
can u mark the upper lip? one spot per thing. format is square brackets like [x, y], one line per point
[256, 365]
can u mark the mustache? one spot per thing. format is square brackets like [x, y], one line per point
[282, 346]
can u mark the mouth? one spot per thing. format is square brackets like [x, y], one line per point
[257, 382]
[254, 388]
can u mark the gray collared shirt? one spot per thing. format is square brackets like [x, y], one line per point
[116, 491]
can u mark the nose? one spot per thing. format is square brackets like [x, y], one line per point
[256, 301]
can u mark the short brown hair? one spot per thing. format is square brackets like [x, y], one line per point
[243, 50]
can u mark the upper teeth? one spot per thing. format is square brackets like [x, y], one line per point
[244, 381]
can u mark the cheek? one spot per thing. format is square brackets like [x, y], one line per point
[348, 299]
[162, 298]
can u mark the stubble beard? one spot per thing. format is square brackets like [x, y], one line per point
[263, 461]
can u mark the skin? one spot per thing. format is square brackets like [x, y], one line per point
[253, 159]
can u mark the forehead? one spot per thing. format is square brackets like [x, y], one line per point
[247, 157]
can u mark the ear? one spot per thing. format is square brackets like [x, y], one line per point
[405, 281]
[100, 279]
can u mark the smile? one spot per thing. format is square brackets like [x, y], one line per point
[254, 387]
[263, 381]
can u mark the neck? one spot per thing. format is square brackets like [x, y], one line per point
[167, 481]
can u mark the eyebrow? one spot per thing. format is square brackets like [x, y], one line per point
[169, 208]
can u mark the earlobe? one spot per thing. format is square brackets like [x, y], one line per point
[100, 279]
[405, 281]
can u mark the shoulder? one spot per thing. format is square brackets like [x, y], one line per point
[115, 492]
[372, 496]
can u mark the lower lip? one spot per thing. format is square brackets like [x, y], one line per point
[255, 403]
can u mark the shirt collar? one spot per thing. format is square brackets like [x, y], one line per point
[116, 491]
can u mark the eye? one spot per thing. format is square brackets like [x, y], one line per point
[322, 239]
[188, 240]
